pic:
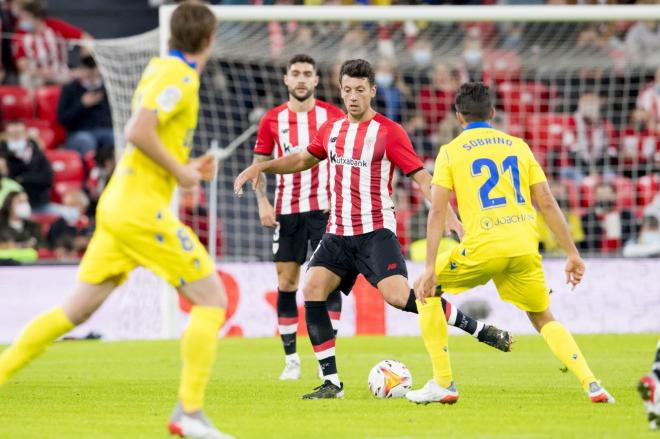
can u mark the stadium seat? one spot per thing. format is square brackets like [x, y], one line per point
[45, 220]
[624, 191]
[546, 132]
[46, 103]
[15, 102]
[62, 187]
[524, 98]
[43, 130]
[66, 164]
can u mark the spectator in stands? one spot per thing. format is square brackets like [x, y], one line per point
[643, 43]
[606, 227]
[14, 218]
[649, 101]
[7, 185]
[647, 243]
[7, 25]
[422, 53]
[392, 95]
[196, 216]
[471, 66]
[104, 166]
[40, 43]
[84, 110]
[590, 144]
[548, 243]
[436, 101]
[27, 164]
[74, 223]
[638, 146]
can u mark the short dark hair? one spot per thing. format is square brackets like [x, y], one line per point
[303, 58]
[191, 26]
[358, 68]
[37, 8]
[473, 101]
[88, 62]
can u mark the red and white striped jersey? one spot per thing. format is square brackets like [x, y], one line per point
[361, 158]
[287, 132]
[46, 49]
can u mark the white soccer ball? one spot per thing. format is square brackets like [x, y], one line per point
[390, 379]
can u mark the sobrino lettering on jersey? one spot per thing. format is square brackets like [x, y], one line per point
[473, 143]
[169, 97]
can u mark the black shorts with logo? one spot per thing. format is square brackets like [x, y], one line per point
[376, 255]
[296, 232]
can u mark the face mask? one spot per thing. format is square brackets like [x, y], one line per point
[472, 56]
[23, 210]
[422, 57]
[92, 85]
[649, 237]
[17, 146]
[70, 214]
[384, 79]
[26, 26]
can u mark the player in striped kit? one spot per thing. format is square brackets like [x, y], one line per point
[300, 214]
[363, 148]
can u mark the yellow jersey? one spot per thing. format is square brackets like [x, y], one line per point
[491, 173]
[169, 86]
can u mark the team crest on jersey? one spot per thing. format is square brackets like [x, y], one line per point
[168, 98]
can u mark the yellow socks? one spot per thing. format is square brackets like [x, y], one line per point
[32, 341]
[198, 347]
[433, 325]
[567, 351]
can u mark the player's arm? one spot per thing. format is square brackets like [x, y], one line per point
[285, 165]
[435, 226]
[555, 219]
[141, 131]
[266, 211]
[423, 179]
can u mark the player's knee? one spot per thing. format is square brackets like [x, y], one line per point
[207, 292]
[314, 291]
[286, 283]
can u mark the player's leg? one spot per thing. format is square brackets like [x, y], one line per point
[287, 316]
[47, 327]
[522, 282]
[649, 390]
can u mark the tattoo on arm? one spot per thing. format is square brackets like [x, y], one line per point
[262, 186]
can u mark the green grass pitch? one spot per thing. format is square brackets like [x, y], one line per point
[126, 390]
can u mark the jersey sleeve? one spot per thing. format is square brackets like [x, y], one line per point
[317, 146]
[66, 30]
[265, 141]
[167, 95]
[536, 174]
[442, 175]
[400, 151]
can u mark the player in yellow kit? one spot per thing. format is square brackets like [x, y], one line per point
[136, 228]
[495, 177]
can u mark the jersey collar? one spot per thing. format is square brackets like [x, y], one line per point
[473, 125]
[178, 54]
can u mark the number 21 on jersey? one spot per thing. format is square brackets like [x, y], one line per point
[509, 164]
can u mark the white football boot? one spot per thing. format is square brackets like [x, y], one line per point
[291, 369]
[433, 392]
[193, 425]
[649, 389]
[598, 394]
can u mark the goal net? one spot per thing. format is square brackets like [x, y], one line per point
[580, 85]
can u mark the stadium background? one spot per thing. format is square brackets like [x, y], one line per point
[584, 95]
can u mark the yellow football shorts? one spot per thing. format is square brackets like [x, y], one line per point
[161, 244]
[520, 280]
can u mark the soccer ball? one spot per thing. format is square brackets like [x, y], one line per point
[390, 379]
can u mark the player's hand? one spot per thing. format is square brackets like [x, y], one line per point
[249, 174]
[455, 226]
[575, 269]
[425, 285]
[267, 214]
[189, 175]
[208, 166]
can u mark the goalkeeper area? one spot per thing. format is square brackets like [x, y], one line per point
[125, 389]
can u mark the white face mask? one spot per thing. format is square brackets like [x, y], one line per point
[23, 210]
[384, 79]
[472, 56]
[649, 237]
[422, 57]
[17, 146]
[70, 214]
[92, 85]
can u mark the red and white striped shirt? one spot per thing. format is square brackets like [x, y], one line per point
[288, 132]
[47, 49]
[361, 158]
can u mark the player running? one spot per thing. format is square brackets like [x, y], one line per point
[136, 228]
[362, 149]
[495, 176]
[649, 390]
[301, 199]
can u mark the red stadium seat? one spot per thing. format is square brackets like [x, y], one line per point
[546, 132]
[646, 188]
[624, 191]
[67, 165]
[16, 102]
[62, 187]
[46, 102]
[45, 220]
[43, 130]
[524, 98]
